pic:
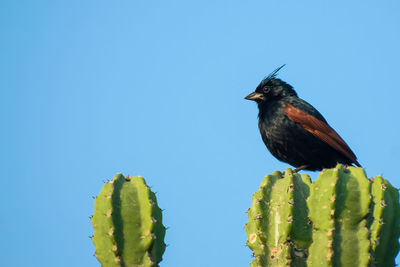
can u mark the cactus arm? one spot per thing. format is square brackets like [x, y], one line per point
[385, 227]
[136, 227]
[321, 205]
[339, 204]
[351, 243]
[159, 230]
[301, 231]
[102, 221]
[258, 215]
[272, 218]
[130, 231]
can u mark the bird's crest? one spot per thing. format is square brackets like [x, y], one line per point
[273, 74]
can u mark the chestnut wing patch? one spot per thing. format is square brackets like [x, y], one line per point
[321, 130]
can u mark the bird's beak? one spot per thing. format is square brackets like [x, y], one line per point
[255, 96]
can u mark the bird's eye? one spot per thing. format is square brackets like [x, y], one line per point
[266, 89]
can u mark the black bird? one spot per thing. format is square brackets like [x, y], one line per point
[294, 131]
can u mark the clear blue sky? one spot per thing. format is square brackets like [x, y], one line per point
[155, 88]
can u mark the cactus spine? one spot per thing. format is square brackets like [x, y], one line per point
[354, 221]
[127, 222]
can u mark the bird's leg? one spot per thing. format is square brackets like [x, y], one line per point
[302, 167]
[345, 168]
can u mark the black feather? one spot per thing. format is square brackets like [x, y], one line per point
[294, 131]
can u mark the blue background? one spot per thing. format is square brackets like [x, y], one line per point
[155, 88]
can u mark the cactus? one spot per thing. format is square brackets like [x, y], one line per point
[278, 229]
[127, 222]
[354, 221]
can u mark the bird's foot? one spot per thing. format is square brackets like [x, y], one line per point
[302, 167]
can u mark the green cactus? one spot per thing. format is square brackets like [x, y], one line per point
[384, 222]
[354, 221]
[278, 229]
[127, 222]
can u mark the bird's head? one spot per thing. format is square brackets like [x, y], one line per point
[271, 88]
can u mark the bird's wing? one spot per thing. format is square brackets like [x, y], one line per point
[321, 130]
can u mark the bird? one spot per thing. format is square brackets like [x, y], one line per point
[294, 131]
